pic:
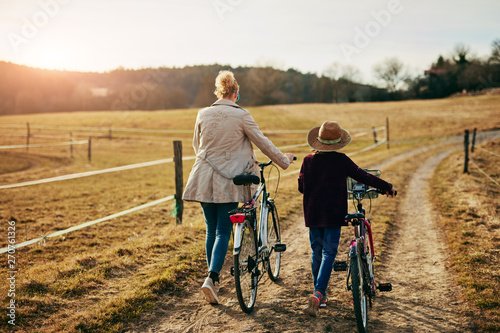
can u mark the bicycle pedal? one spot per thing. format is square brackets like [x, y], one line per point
[339, 266]
[279, 247]
[384, 287]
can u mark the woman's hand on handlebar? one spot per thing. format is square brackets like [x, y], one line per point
[291, 158]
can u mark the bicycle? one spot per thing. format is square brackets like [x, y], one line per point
[361, 254]
[257, 243]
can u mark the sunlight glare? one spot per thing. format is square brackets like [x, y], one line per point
[52, 59]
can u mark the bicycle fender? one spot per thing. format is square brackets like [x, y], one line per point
[353, 253]
[237, 238]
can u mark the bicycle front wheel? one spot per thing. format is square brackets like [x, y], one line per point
[358, 294]
[245, 268]
[273, 238]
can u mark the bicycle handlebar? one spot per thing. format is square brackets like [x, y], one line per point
[263, 165]
[371, 190]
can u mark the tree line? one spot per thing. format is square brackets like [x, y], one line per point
[461, 72]
[30, 90]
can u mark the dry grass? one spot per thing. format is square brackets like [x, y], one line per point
[468, 205]
[96, 279]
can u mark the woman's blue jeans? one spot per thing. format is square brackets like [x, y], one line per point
[219, 228]
[324, 245]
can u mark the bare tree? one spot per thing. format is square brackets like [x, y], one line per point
[461, 54]
[393, 72]
[495, 52]
[344, 77]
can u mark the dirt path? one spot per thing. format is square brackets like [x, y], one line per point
[423, 299]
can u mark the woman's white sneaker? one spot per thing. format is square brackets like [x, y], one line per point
[210, 291]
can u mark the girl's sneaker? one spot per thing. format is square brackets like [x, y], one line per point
[313, 304]
[323, 302]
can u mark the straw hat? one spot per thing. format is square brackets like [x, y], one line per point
[329, 137]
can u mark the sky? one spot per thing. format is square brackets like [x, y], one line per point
[308, 36]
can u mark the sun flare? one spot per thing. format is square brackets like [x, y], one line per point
[52, 59]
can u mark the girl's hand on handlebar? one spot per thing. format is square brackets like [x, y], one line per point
[392, 193]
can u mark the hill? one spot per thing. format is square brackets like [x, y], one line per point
[25, 90]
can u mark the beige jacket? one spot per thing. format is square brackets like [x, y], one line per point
[222, 141]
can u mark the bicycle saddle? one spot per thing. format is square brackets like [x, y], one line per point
[246, 179]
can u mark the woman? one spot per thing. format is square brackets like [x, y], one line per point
[323, 182]
[222, 142]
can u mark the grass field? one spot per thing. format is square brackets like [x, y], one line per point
[469, 207]
[98, 278]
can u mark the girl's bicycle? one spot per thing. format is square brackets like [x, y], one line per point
[257, 241]
[360, 275]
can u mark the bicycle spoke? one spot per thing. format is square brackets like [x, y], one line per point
[273, 238]
[245, 263]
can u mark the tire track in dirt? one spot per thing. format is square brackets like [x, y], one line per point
[424, 296]
[423, 299]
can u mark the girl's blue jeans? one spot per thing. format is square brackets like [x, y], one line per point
[219, 228]
[324, 245]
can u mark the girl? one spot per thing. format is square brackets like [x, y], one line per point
[323, 182]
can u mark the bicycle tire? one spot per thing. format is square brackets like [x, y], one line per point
[273, 238]
[358, 294]
[245, 267]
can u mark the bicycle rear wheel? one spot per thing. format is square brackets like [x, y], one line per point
[273, 238]
[245, 267]
[358, 294]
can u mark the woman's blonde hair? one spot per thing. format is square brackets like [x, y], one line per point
[225, 84]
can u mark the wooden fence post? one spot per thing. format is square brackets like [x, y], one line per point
[387, 132]
[374, 134]
[473, 140]
[179, 181]
[466, 146]
[28, 137]
[90, 150]
[71, 145]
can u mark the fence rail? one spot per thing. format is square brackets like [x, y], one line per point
[134, 209]
[54, 144]
[87, 224]
[467, 158]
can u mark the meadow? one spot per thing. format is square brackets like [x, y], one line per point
[101, 277]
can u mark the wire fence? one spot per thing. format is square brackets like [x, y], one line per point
[484, 173]
[125, 212]
[53, 144]
[481, 170]
[489, 152]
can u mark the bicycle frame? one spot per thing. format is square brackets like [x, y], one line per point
[262, 227]
[360, 276]
[252, 248]
[262, 236]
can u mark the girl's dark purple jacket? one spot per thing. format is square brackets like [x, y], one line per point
[323, 181]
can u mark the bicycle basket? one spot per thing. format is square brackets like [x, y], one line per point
[351, 182]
